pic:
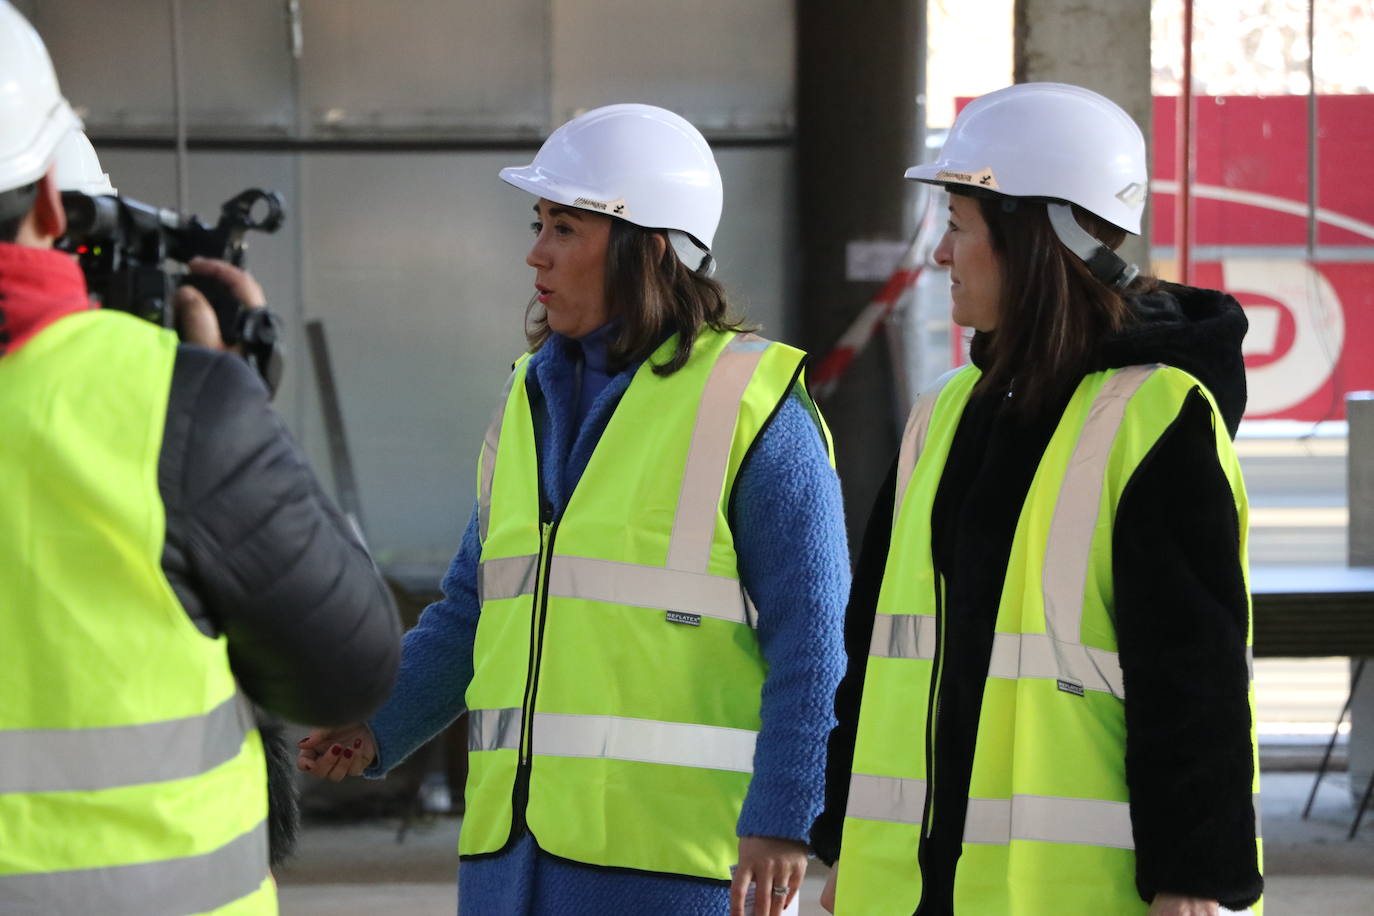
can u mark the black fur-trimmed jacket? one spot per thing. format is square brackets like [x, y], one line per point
[1181, 615]
[256, 551]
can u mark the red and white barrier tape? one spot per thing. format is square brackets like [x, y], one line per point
[831, 367]
[836, 362]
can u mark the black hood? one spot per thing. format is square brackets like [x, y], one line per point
[1196, 330]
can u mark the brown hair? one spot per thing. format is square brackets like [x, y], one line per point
[1053, 313]
[649, 295]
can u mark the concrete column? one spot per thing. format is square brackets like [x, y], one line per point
[860, 119]
[1103, 45]
[1359, 412]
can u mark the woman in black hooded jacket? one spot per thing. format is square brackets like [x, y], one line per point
[1045, 181]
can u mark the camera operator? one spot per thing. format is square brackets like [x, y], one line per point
[162, 546]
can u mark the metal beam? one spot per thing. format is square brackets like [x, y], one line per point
[1103, 45]
[860, 121]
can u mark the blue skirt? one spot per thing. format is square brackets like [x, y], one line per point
[524, 882]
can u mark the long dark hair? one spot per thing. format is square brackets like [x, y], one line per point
[1054, 313]
[649, 296]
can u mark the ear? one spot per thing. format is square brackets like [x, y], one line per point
[48, 215]
[660, 245]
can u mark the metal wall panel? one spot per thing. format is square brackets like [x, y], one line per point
[426, 67]
[415, 263]
[236, 58]
[724, 65]
[430, 68]
[757, 239]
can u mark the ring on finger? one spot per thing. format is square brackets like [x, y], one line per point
[781, 890]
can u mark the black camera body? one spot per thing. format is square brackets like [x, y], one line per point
[123, 247]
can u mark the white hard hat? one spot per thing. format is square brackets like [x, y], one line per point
[1048, 140]
[641, 163]
[78, 167]
[34, 117]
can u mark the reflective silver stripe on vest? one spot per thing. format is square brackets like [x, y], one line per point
[645, 740]
[903, 636]
[610, 582]
[171, 887]
[886, 798]
[1041, 818]
[494, 729]
[507, 577]
[1033, 655]
[1068, 548]
[708, 456]
[488, 461]
[91, 759]
[914, 436]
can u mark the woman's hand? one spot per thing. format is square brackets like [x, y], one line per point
[828, 892]
[1174, 905]
[768, 863]
[333, 753]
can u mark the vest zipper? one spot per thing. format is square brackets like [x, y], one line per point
[933, 711]
[932, 714]
[548, 528]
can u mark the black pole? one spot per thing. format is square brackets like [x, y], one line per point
[860, 125]
[1331, 745]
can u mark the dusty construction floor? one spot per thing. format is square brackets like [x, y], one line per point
[360, 870]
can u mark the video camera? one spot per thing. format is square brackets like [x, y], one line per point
[123, 247]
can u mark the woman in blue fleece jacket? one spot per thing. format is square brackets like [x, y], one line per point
[610, 292]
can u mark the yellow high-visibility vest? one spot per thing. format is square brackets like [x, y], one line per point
[132, 778]
[1048, 828]
[617, 676]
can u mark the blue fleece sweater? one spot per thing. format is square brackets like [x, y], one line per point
[789, 535]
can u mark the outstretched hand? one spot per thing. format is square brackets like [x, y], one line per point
[333, 753]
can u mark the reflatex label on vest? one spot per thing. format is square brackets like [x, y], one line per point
[691, 620]
[1071, 687]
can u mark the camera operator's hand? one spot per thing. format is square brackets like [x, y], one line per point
[196, 317]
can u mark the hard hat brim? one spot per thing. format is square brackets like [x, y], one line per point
[542, 183]
[947, 174]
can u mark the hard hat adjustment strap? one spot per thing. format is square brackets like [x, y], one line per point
[691, 253]
[1105, 264]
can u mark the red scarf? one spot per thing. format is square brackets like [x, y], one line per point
[37, 287]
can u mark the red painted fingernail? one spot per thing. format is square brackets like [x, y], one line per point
[357, 743]
[335, 750]
[347, 752]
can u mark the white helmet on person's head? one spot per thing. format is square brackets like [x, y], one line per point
[643, 164]
[1048, 140]
[1058, 143]
[34, 117]
[78, 167]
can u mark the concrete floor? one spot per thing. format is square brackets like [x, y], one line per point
[360, 869]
